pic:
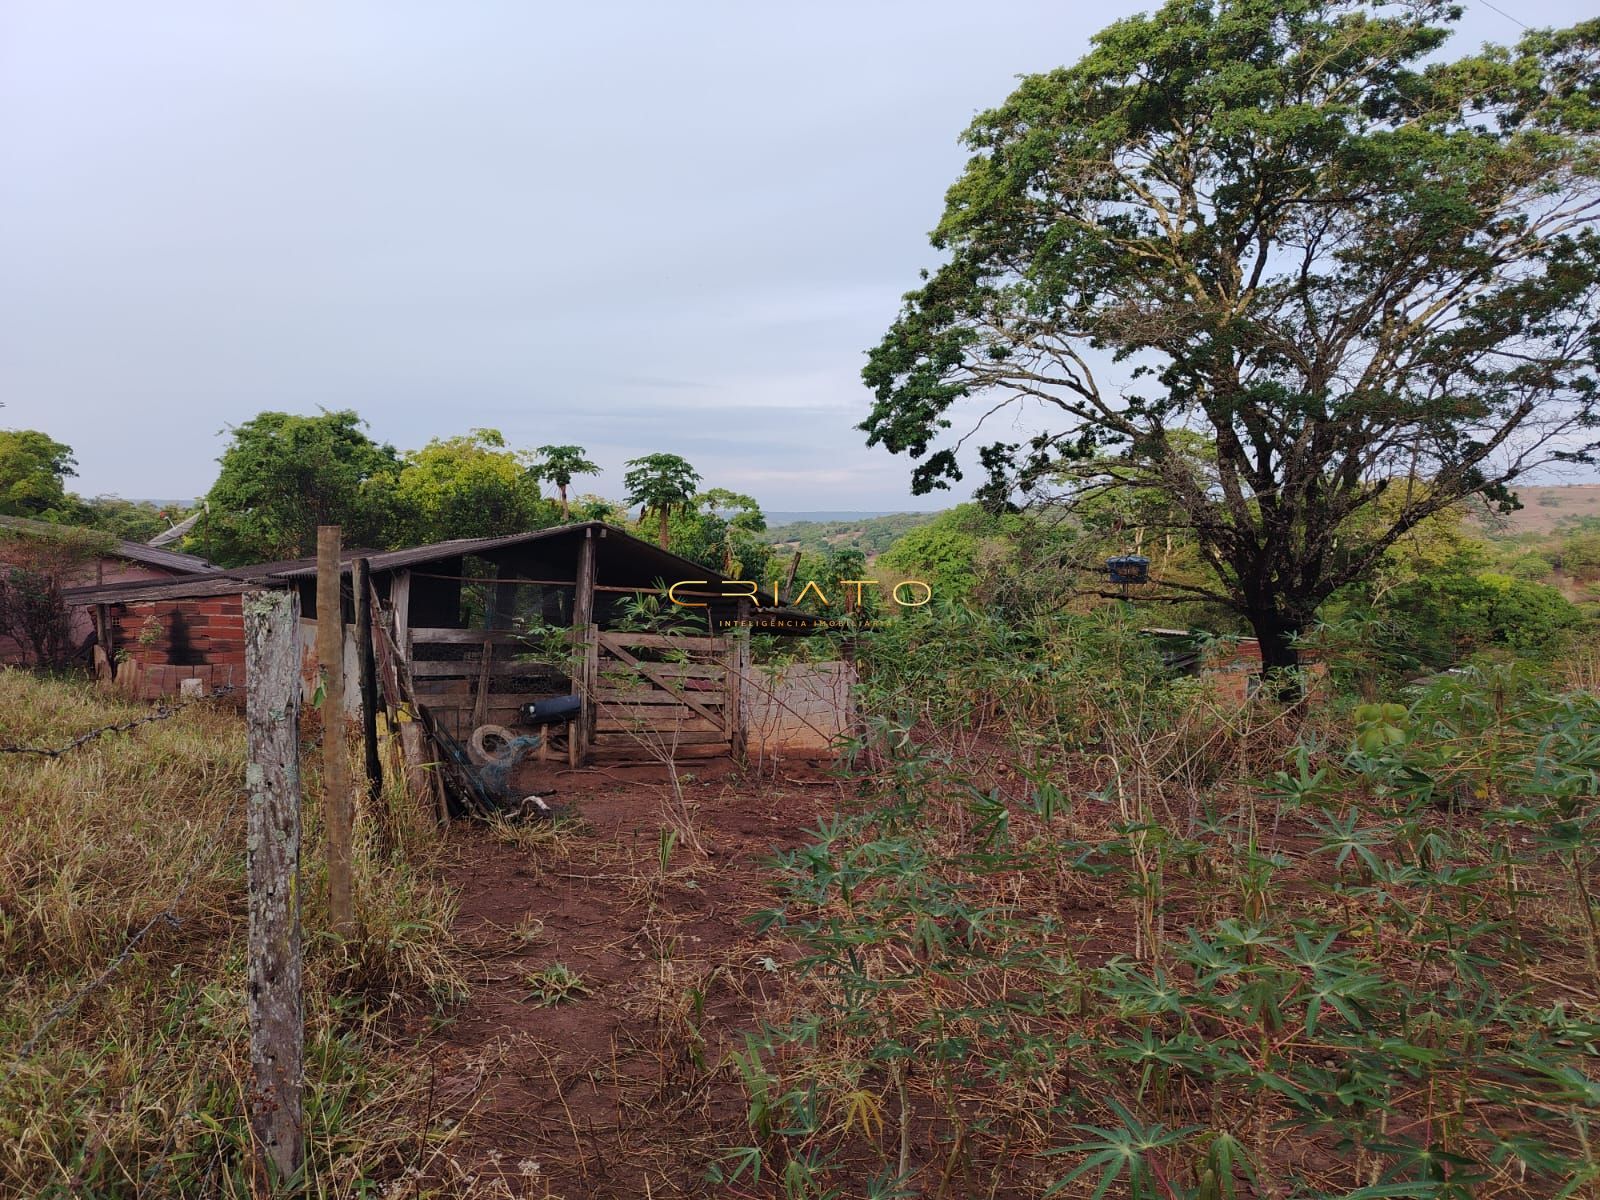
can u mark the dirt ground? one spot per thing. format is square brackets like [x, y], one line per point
[620, 1087]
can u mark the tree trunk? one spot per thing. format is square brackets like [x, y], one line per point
[664, 512]
[566, 512]
[1276, 632]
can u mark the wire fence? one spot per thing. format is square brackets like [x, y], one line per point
[162, 713]
[168, 915]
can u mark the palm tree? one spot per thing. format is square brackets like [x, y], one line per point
[659, 483]
[559, 464]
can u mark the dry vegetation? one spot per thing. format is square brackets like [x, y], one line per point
[136, 1090]
[1063, 926]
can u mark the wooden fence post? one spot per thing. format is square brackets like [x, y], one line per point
[368, 680]
[335, 753]
[583, 628]
[272, 778]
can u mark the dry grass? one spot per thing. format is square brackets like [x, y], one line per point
[136, 1091]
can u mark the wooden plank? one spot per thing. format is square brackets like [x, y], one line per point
[629, 752]
[335, 754]
[657, 641]
[654, 713]
[701, 670]
[616, 695]
[663, 737]
[480, 705]
[367, 669]
[733, 682]
[470, 668]
[583, 626]
[400, 605]
[591, 679]
[272, 779]
[648, 670]
[605, 724]
[428, 636]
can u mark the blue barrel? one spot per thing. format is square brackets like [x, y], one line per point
[551, 710]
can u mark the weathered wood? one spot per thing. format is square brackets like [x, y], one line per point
[366, 664]
[480, 699]
[400, 605]
[335, 754]
[620, 749]
[712, 671]
[738, 669]
[689, 643]
[643, 725]
[419, 781]
[387, 660]
[429, 636]
[272, 779]
[584, 627]
[469, 668]
[648, 670]
[652, 720]
[608, 694]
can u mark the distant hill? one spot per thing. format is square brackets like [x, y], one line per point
[828, 515]
[1546, 509]
[871, 533]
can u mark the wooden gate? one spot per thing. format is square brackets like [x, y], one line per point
[660, 694]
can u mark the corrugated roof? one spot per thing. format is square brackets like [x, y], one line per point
[664, 562]
[152, 556]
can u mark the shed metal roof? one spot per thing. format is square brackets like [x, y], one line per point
[152, 556]
[620, 557]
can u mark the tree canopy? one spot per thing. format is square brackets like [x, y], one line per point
[470, 486]
[33, 470]
[283, 475]
[660, 483]
[1358, 273]
[559, 464]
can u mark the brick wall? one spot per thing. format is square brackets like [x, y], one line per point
[160, 643]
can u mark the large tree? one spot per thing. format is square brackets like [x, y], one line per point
[1359, 273]
[471, 486]
[660, 483]
[33, 468]
[559, 464]
[283, 475]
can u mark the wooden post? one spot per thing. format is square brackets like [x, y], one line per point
[272, 778]
[738, 659]
[583, 627]
[367, 669]
[400, 602]
[106, 633]
[335, 755]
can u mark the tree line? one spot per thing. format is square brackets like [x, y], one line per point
[283, 474]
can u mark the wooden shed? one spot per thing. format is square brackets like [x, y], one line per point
[454, 619]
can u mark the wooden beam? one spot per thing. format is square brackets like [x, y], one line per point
[649, 672]
[335, 754]
[366, 667]
[738, 660]
[583, 627]
[400, 602]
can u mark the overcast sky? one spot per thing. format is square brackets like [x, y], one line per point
[664, 226]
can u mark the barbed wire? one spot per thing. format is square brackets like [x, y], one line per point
[83, 739]
[167, 916]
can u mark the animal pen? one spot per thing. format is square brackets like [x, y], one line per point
[450, 645]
